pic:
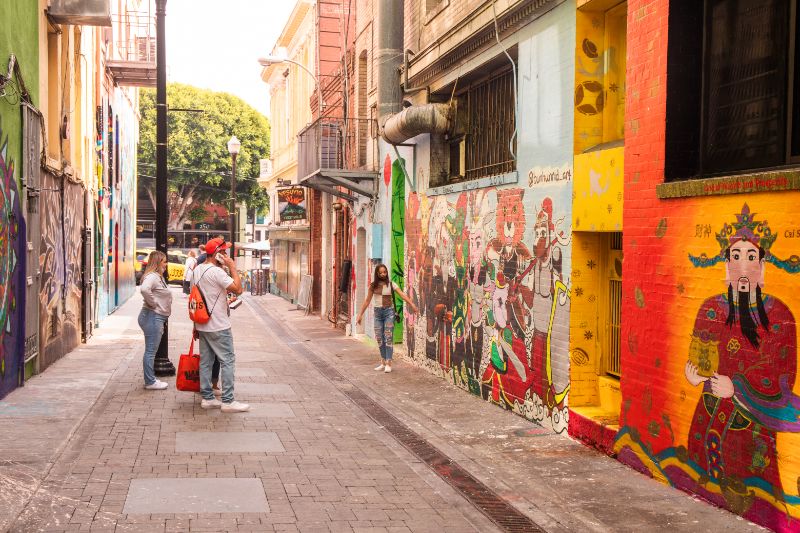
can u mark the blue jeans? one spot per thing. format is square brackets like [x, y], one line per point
[384, 331]
[217, 345]
[152, 325]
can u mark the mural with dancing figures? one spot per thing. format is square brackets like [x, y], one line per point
[12, 275]
[489, 273]
[720, 415]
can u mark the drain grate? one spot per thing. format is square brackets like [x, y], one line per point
[498, 510]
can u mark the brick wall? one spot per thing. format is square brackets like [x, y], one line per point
[675, 308]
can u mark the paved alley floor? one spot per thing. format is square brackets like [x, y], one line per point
[330, 445]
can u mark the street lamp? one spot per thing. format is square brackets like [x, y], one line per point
[275, 60]
[233, 148]
[161, 364]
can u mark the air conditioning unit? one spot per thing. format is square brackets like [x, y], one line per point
[80, 12]
[146, 49]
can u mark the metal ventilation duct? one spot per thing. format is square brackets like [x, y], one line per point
[80, 12]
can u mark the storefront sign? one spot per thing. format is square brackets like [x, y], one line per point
[292, 203]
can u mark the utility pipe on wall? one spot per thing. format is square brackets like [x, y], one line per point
[389, 58]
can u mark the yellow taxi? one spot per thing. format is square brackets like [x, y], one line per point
[175, 266]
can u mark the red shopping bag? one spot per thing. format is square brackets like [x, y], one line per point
[189, 371]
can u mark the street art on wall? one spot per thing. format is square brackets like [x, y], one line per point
[12, 276]
[60, 264]
[491, 284]
[732, 435]
[398, 237]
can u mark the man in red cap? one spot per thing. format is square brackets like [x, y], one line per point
[216, 338]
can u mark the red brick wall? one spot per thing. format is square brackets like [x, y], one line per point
[673, 305]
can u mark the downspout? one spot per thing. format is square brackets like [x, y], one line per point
[389, 59]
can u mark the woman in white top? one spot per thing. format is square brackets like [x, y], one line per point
[156, 308]
[191, 263]
[381, 294]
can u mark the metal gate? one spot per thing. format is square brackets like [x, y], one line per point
[31, 181]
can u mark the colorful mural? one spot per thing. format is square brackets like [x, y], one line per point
[490, 286]
[60, 262]
[12, 276]
[398, 185]
[730, 430]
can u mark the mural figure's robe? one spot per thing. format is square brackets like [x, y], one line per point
[733, 439]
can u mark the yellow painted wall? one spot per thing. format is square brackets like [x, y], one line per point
[585, 317]
[597, 196]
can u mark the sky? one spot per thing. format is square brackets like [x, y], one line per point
[215, 44]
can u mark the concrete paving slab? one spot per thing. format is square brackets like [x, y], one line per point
[196, 495]
[260, 410]
[264, 389]
[249, 372]
[257, 357]
[227, 442]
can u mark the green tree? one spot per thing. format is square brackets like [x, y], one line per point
[199, 163]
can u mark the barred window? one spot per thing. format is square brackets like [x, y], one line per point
[484, 138]
[745, 88]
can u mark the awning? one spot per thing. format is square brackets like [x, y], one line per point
[288, 233]
[356, 181]
[324, 164]
[260, 246]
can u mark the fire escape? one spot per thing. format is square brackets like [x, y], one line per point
[132, 58]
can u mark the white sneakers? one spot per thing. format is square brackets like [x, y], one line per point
[380, 367]
[387, 369]
[157, 385]
[235, 407]
[211, 404]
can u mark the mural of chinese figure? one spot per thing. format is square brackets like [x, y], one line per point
[508, 375]
[743, 354]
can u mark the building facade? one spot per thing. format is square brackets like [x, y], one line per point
[19, 85]
[709, 392]
[292, 208]
[58, 145]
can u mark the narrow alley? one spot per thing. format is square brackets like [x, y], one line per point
[329, 445]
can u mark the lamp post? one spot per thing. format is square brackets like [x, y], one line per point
[233, 148]
[274, 60]
[162, 365]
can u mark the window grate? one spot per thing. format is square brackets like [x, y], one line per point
[745, 84]
[614, 325]
[490, 108]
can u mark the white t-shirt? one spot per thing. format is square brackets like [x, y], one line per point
[377, 296]
[213, 283]
[191, 262]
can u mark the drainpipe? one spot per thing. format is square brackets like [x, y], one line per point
[389, 58]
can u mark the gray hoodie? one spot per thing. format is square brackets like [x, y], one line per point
[156, 294]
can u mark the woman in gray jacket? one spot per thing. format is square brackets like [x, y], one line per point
[156, 308]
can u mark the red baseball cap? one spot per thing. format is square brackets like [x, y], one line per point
[215, 245]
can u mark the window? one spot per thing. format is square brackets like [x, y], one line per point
[258, 235]
[732, 88]
[481, 144]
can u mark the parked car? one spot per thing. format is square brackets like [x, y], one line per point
[141, 261]
[175, 267]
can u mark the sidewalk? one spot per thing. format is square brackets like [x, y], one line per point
[88, 449]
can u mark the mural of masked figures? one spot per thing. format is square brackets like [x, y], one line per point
[741, 362]
[12, 276]
[491, 288]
